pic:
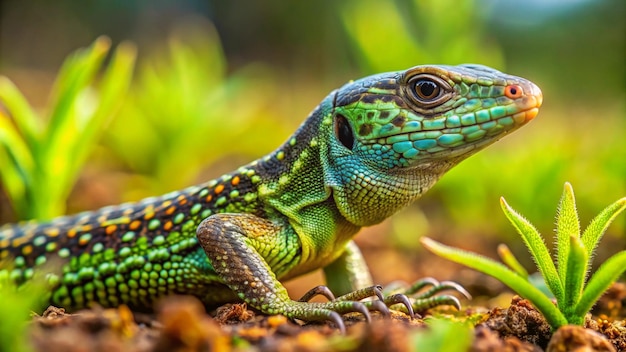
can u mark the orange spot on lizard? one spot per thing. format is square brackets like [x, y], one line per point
[110, 229]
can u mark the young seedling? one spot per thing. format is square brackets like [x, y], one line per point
[41, 155]
[574, 252]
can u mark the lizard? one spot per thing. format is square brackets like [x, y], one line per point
[368, 149]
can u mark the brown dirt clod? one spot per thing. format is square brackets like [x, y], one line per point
[520, 320]
[486, 340]
[572, 338]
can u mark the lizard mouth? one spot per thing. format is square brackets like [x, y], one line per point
[533, 101]
[455, 144]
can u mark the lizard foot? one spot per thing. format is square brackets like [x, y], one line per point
[348, 303]
[424, 299]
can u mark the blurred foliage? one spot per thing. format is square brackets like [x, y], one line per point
[40, 163]
[442, 335]
[404, 33]
[185, 113]
[17, 305]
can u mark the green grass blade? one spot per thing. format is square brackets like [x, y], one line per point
[492, 268]
[71, 108]
[511, 261]
[594, 232]
[17, 168]
[77, 71]
[537, 249]
[25, 119]
[112, 90]
[600, 281]
[567, 224]
[577, 262]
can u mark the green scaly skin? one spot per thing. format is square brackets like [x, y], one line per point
[370, 148]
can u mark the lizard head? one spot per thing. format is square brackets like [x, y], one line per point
[394, 134]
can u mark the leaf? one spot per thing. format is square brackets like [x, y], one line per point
[577, 262]
[537, 249]
[25, 119]
[70, 109]
[594, 232]
[113, 88]
[600, 281]
[511, 261]
[17, 166]
[70, 89]
[78, 70]
[567, 224]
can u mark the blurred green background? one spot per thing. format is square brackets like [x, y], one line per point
[219, 83]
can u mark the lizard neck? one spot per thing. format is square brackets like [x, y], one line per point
[294, 185]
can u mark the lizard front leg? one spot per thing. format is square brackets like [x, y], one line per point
[349, 272]
[247, 252]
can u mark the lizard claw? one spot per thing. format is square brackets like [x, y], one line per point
[327, 311]
[317, 291]
[379, 306]
[436, 287]
[400, 298]
[338, 321]
[368, 292]
[456, 287]
[361, 308]
[420, 301]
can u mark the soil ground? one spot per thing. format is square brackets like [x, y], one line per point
[183, 325]
[504, 323]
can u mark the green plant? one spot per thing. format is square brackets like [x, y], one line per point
[573, 254]
[411, 32]
[186, 111]
[42, 156]
[443, 335]
[16, 305]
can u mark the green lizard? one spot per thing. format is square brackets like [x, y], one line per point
[370, 148]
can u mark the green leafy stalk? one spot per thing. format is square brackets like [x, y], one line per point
[537, 249]
[594, 232]
[574, 279]
[41, 162]
[566, 224]
[24, 118]
[574, 252]
[112, 88]
[600, 281]
[17, 162]
[511, 261]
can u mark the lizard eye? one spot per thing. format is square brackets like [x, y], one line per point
[344, 132]
[427, 90]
